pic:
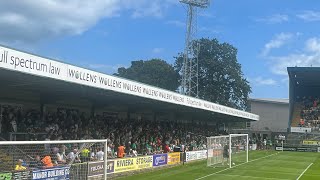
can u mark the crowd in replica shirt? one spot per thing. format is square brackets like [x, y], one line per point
[126, 137]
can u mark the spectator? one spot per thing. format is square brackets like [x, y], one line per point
[73, 156]
[100, 154]
[36, 163]
[60, 155]
[120, 151]
[85, 155]
[19, 166]
[46, 161]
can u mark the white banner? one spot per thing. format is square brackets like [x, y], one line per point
[300, 129]
[27, 63]
[196, 155]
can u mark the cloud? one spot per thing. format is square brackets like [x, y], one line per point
[29, 21]
[143, 8]
[157, 50]
[309, 16]
[176, 23]
[274, 19]
[278, 41]
[263, 81]
[310, 56]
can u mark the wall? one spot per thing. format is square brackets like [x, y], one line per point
[274, 116]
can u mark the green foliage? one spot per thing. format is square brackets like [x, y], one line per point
[155, 72]
[220, 76]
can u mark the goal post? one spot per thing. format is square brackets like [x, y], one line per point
[228, 150]
[67, 159]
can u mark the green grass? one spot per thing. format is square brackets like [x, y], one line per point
[263, 165]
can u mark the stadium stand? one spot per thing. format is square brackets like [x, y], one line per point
[140, 137]
[307, 113]
[41, 106]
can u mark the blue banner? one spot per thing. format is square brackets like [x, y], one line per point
[61, 173]
[160, 159]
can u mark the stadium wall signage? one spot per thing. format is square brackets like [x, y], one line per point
[160, 160]
[31, 64]
[52, 173]
[299, 149]
[96, 169]
[196, 155]
[174, 158]
[6, 176]
[132, 164]
[300, 129]
[314, 143]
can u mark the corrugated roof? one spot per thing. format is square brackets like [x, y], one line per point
[271, 100]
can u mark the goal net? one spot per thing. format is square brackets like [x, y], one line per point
[69, 159]
[227, 151]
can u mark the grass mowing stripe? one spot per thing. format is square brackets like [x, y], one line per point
[271, 172]
[234, 175]
[236, 166]
[304, 171]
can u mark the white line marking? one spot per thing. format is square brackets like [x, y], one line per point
[304, 171]
[236, 166]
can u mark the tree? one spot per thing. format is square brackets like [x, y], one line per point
[220, 76]
[155, 72]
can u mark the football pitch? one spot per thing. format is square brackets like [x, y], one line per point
[262, 165]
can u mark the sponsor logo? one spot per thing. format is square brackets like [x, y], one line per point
[160, 159]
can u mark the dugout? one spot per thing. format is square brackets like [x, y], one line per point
[32, 81]
[303, 83]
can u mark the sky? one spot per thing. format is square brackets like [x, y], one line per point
[103, 35]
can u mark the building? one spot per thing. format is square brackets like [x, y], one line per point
[274, 114]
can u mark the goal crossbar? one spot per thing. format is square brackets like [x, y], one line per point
[50, 142]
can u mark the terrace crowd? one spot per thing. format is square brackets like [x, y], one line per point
[126, 137]
[310, 112]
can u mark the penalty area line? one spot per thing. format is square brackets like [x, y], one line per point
[304, 171]
[236, 166]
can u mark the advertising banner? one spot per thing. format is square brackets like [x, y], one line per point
[144, 162]
[300, 129]
[298, 149]
[110, 168]
[315, 143]
[5, 176]
[196, 155]
[160, 160]
[174, 158]
[61, 173]
[27, 63]
[124, 164]
[131, 164]
[96, 169]
[21, 175]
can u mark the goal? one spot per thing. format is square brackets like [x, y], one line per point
[70, 159]
[227, 151]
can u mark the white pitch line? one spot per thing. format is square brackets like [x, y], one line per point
[236, 166]
[304, 171]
